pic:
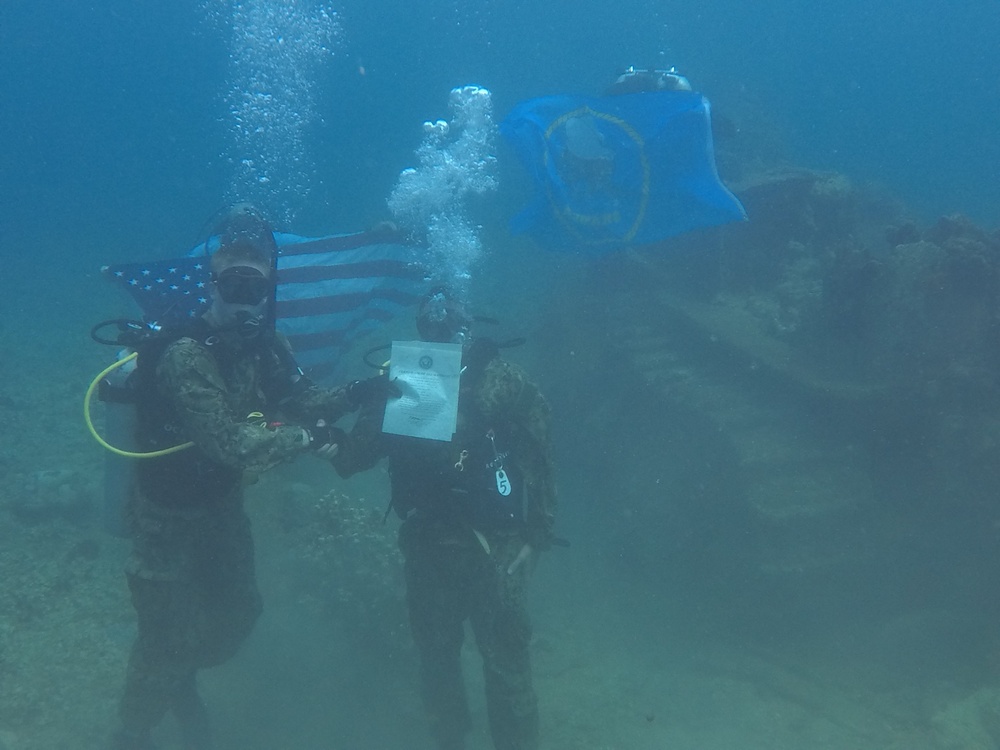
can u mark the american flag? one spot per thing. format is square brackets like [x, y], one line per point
[330, 289]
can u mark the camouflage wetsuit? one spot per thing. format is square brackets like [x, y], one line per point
[191, 572]
[458, 538]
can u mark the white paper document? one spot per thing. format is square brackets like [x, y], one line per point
[427, 374]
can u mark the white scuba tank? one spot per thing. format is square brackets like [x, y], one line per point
[117, 391]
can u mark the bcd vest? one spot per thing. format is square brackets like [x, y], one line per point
[473, 478]
[189, 477]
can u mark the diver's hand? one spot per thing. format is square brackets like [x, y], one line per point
[525, 556]
[327, 451]
[325, 439]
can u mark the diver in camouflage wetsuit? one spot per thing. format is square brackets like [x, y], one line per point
[191, 572]
[468, 547]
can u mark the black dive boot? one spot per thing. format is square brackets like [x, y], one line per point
[192, 718]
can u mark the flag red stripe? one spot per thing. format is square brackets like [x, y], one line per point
[347, 242]
[335, 337]
[368, 269]
[300, 308]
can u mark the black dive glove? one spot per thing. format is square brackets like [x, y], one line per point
[323, 433]
[372, 391]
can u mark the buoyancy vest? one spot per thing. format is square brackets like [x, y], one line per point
[472, 478]
[188, 478]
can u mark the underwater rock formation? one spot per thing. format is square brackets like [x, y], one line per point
[834, 367]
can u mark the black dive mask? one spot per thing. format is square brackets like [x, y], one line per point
[243, 285]
[443, 320]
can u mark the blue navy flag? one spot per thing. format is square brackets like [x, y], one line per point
[618, 170]
[330, 289]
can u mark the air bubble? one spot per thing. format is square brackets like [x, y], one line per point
[455, 160]
[277, 47]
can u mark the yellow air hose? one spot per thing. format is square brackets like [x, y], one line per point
[90, 422]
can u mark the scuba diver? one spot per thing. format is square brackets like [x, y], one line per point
[212, 401]
[476, 512]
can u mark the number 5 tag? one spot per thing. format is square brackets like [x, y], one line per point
[503, 484]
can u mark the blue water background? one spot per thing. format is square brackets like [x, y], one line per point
[113, 119]
[113, 131]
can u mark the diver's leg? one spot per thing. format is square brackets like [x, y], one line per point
[162, 658]
[232, 602]
[436, 619]
[230, 606]
[192, 716]
[502, 627]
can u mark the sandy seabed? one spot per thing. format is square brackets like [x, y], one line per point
[330, 665]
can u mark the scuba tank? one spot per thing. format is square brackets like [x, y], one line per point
[118, 386]
[118, 392]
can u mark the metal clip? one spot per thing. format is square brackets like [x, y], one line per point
[460, 463]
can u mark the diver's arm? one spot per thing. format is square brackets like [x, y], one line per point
[295, 394]
[542, 499]
[189, 378]
[509, 394]
[314, 402]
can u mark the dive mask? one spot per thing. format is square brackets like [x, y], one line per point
[442, 319]
[243, 285]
